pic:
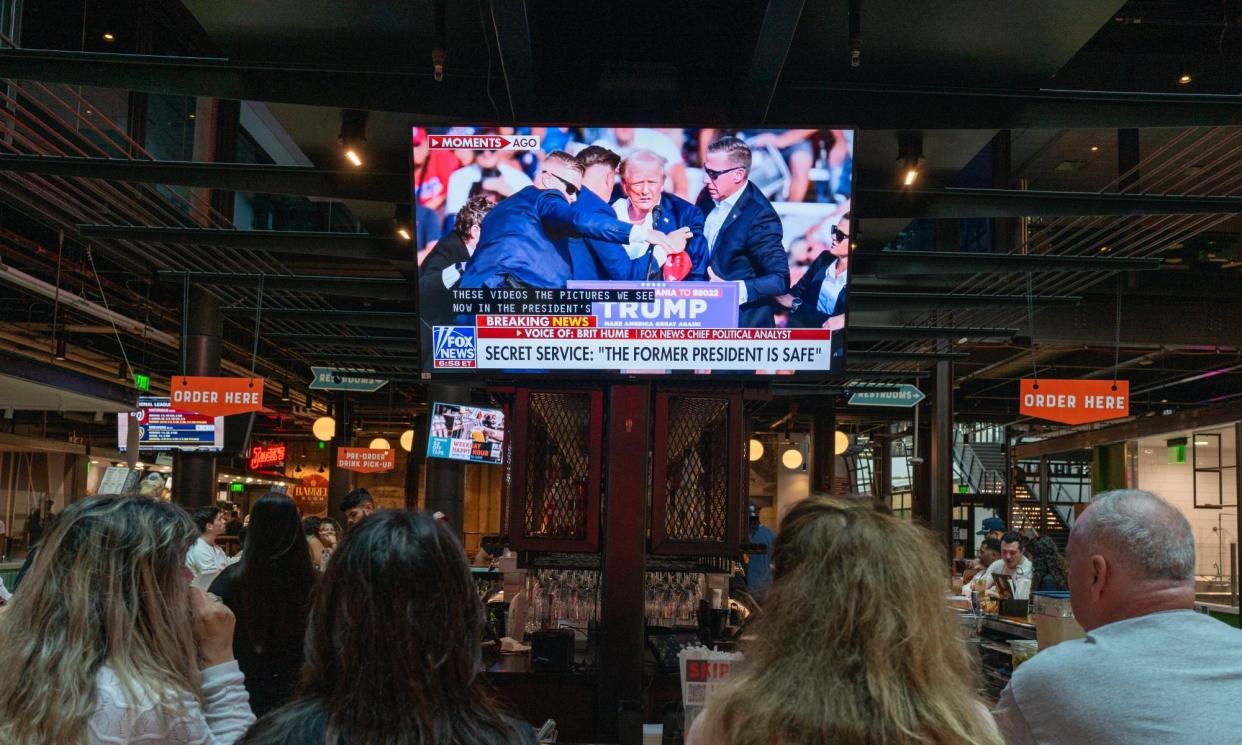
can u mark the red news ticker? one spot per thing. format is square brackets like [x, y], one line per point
[534, 321]
[468, 142]
[658, 334]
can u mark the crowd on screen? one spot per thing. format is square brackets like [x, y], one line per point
[445, 179]
[108, 641]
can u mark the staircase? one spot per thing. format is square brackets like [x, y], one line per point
[1026, 513]
[981, 466]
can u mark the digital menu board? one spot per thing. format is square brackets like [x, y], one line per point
[632, 250]
[467, 433]
[161, 427]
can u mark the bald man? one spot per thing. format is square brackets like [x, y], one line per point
[1150, 670]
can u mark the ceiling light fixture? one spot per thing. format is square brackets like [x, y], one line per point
[841, 442]
[1095, 148]
[109, 36]
[791, 458]
[756, 450]
[324, 428]
[404, 233]
[379, 443]
[407, 440]
[353, 136]
[1185, 78]
[910, 155]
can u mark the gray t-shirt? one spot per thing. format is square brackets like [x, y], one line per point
[1159, 679]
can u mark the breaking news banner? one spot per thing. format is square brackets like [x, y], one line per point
[629, 249]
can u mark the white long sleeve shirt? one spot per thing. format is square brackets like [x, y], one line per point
[204, 558]
[223, 718]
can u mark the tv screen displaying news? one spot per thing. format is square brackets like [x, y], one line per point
[161, 427]
[632, 250]
[469, 433]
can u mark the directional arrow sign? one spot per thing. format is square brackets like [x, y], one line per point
[332, 379]
[906, 396]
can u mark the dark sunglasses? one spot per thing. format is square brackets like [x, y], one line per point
[713, 175]
[838, 236]
[570, 189]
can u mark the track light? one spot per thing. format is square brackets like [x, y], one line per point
[1185, 78]
[402, 222]
[284, 391]
[109, 36]
[122, 373]
[353, 136]
[61, 349]
[909, 155]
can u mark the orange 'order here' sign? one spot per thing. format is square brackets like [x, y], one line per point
[365, 460]
[216, 396]
[1075, 401]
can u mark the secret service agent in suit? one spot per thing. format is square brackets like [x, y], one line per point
[525, 238]
[743, 233]
[821, 293]
[441, 270]
[595, 259]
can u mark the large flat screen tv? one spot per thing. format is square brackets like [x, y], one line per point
[161, 427]
[632, 250]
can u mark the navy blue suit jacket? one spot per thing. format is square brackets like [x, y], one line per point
[807, 290]
[526, 238]
[610, 260]
[749, 248]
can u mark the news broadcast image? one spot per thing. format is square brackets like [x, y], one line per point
[632, 250]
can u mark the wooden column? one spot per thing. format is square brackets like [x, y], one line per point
[619, 699]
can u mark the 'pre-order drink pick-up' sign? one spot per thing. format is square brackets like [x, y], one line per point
[1075, 401]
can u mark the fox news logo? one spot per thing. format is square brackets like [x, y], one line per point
[452, 346]
[482, 142]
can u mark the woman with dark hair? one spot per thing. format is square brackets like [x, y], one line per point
[269, 593]
[1047, 567]
[393, 653]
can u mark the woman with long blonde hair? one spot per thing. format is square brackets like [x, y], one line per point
[856, 645]
[106, 643]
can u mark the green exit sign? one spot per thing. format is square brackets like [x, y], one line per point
[322, 445]
[142, 382]
[237, 486]
[963, 489]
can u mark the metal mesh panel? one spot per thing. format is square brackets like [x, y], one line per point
[697, 471]
[557, 465]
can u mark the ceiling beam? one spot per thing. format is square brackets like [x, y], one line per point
[365, 287]
[776, 35]
[346, 246]
[964, 203]
[459, 97]
[1149, 426]
[923, 263]
[511, 26]
[863, 301]
[269, 179]
[887, 333]
[394, 342]
[462, 97]
[393, 320]
[885, 356]
[901, 107]
[395, 360]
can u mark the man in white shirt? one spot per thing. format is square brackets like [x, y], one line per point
[206, 559]
[489, 173]
[744, 234]
[1012, 561]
